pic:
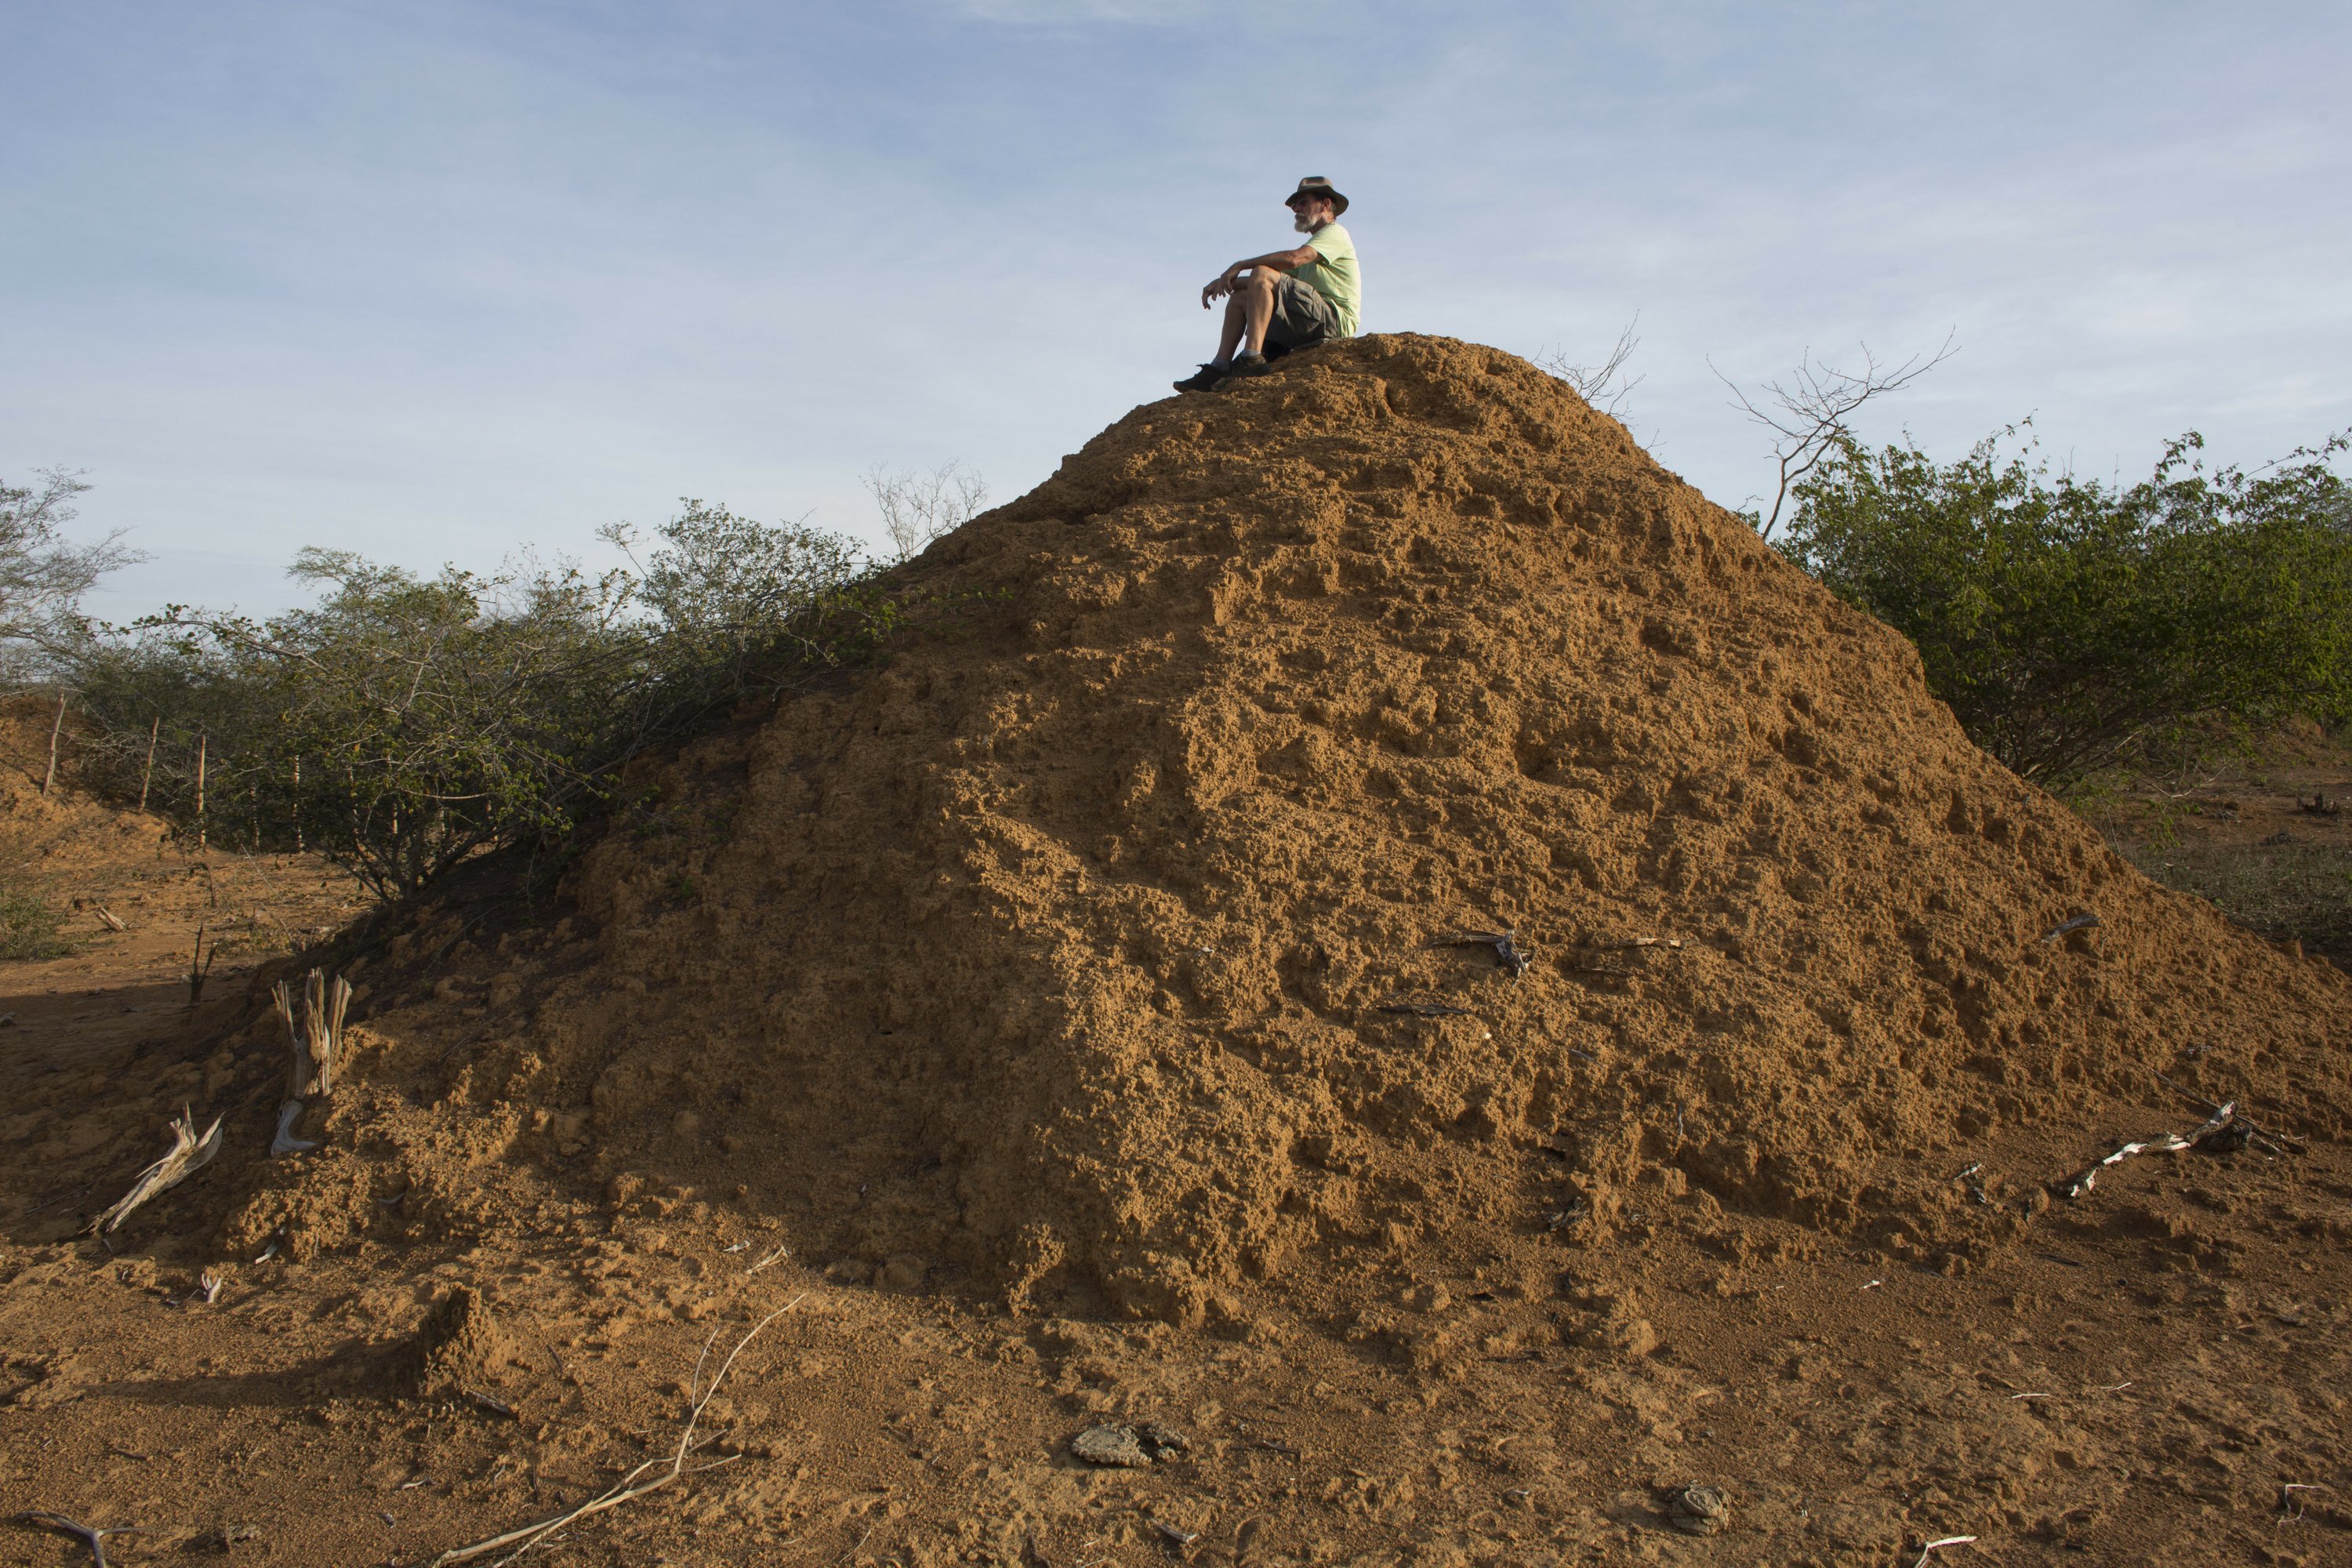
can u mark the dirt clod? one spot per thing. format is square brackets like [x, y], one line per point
[1114, 1447]
[458, 1349]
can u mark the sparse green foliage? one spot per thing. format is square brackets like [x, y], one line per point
[404, 724]
[724, 588]
[2073, 625]
[43, 576]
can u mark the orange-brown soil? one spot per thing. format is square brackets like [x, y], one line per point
[1027, 1010]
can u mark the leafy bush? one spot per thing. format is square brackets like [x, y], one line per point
[728, 594]
[404, 724]
[2073, 625]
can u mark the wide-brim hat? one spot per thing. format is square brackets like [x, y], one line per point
[1316, 185]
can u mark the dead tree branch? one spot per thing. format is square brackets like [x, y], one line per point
[919, 508]
[1808, 415]
[316, 1043]
[314, 1048]
[1599, 385]
[187, 1154]
[200, 963]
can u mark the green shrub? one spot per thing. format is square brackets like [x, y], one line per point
[2073, 625]
[405, 724]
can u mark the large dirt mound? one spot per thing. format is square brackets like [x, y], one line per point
[1090, 951]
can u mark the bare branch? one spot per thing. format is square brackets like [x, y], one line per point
[919, 508]
[1808, 415]
[91, 1535]
[188, 1153]
[1598, 384]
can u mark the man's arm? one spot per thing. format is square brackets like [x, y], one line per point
[1280, 260]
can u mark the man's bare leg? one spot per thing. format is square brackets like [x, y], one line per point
[1235, 322]
[1256, 304]
[1248, 312]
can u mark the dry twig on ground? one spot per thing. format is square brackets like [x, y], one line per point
[188, 1153]
[286, 1142]
[2290, 1506]
[1935, 1546]
[2076, 1185]
[628, 1487]
[92, 1536]
[1505, 943]
[2072, 924]
[200, 965]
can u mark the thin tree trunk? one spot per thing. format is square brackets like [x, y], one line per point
[55, 731]
[153, 730]
[297, 806]
[200, 791]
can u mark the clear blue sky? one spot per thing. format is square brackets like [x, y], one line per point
[434, 280]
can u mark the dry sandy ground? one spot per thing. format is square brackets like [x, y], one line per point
[2155, 1372]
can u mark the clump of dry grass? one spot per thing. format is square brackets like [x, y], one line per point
[28, 925]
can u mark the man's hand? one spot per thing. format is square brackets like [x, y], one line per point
[1280, 261]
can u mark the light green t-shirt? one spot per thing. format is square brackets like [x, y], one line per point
[1334, 277]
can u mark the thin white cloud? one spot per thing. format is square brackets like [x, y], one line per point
[1057, 13]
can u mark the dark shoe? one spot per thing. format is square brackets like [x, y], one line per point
[1250, 364]
[1208, 377]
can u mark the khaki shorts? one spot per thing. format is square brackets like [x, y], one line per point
[1302, 317]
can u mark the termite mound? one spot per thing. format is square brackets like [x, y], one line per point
[1093, 950]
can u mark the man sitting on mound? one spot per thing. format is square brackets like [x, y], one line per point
[1287, 298]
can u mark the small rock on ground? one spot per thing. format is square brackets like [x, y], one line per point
[1698, 1511]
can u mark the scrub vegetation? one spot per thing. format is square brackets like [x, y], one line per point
[2076, 627]
[404, 724]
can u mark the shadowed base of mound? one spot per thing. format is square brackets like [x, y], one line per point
[1095, 948]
